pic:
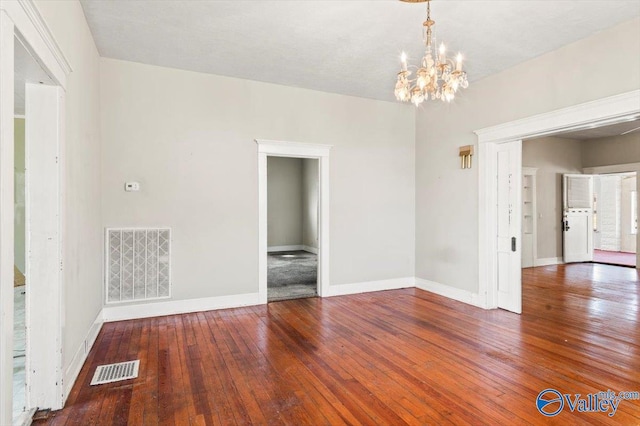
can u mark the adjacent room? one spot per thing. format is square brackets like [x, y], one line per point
[616, 221]
[319, 212]
[292, 194]
[19, 302]
[595, 167]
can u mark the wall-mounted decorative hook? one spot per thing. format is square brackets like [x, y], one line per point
[466, 152]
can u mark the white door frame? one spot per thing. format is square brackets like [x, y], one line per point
[296, 150]
[21, 20]
[621, 168]
[610, 110]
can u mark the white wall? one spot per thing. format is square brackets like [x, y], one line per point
[447, 197]
[82, 236]
[310, 203]
[614, 150]
[553, 157]
[284, 201]
[188, 138]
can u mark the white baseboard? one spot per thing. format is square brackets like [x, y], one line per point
[172, 307]
[367, 286]
[454, 293]
[72, 371]
[275, 249]
[546, 261]
[285, 248]
[25, 418]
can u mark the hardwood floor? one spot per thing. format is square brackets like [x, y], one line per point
[393, 357]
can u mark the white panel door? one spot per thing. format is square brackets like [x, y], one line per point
[509, 160]
[577, 221]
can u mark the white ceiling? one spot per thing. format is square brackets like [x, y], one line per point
[604, 131]
[348, 47]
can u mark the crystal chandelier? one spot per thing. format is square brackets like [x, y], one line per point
[437, 75]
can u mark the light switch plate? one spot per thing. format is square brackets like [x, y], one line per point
[132, 186]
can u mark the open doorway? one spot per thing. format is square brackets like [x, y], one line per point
[320, 154]
[19, 269]
[580, 210]
[28, 77]
[292, 228]
[500, 155]
[31, 154]
[615, 218]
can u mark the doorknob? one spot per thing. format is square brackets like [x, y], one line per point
[566, 225]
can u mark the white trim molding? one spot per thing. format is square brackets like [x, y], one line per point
[369, 286]
[6, 215]
[276, 249]
[25, 418]
[297, 247]
[34, 34]
[72, 371]
[310, 249]
[616, 168]
[268, 148]
[597, 113]
[292, 149]
[546, 261]
[173, 307]
[449, 292]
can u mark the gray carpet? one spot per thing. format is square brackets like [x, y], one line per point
[291, 275]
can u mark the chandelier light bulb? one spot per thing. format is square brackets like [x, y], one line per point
[403, 59]
[439, 79]
[417, 97]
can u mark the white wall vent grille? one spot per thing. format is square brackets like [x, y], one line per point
[115, 372]
[138, 264]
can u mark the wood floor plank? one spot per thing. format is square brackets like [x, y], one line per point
[394, 357]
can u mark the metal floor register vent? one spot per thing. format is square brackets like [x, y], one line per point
[115, 372]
